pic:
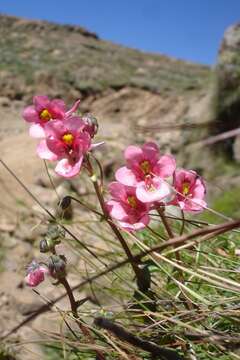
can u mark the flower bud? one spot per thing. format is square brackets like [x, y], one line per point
[43, 246]
[46, 245]
[35, 274]
[55, 233]
[57, 266]
[65, 202]
[91, 124]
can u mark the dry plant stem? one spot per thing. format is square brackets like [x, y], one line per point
[149, 346]
[183, 223]
[52, 217]
[121, 239]
[177, 241]
[81, 326]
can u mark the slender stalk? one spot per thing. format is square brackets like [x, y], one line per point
[74, 307]
[177, 254]
[155, 233]
[86, 206]
[114, 228]
[126, 336]
[81, 326]
[50, 179]
[183, 223]
[167, 228]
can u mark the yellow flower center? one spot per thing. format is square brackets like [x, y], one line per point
[185, 188]
[145, 167]
[68, 139]
[132, 201]
[45, 115]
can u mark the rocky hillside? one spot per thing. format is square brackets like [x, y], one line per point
[120, 85]
[135, 95]
[37, 56]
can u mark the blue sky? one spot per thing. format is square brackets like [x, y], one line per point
[187, 29]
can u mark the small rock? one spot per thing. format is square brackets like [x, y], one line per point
[7, 224]
[4, 101]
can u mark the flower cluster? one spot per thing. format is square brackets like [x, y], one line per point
[149, 181]
[65, 137]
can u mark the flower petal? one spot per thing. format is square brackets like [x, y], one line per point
[150, 151]
[68, 170]
[141, 224]
[94, 146]
[44, 152]
[36, 131]
[30, 114]
[165, 166]
[57, 106]
[41, 102]
[126, 176]
[56, 146]
[116, 210]
[194, 205]
[133, 155]
[73, 108]
[117, 191]
[74, 124]
[157, 192]
[55, 128]
[34, 278]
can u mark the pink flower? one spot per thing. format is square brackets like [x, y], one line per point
[190, 190]
[43, 110]
[66, 142]
[124, 206]
[35, 274]
[146, 170]
[153, 189]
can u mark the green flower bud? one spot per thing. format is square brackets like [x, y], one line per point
[55, 234]
[43, 246]
[57, 266]
[46, 245]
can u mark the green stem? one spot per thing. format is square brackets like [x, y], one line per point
[183, 223]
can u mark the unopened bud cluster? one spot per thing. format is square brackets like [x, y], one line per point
[53, 237]
[55, 265]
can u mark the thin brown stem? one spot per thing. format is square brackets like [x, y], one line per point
[86, 206]
[155, 233]
[183, 223]
[81, 326]
[110, 222]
